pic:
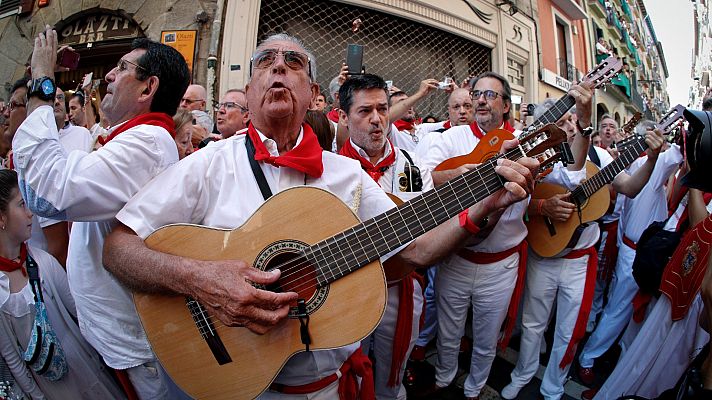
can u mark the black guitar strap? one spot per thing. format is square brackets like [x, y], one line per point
[593, 155]
[256, 170]
[267, 193]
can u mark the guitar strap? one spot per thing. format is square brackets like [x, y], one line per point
[593, 155]
[267, 193]
[256, 170]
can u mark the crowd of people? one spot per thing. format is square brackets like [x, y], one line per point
[88, 179]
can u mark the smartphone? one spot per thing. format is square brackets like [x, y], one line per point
[389, 84]
[87, 80]
[68, 58]
[354, 58]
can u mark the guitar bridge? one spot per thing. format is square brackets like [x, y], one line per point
[207, 331]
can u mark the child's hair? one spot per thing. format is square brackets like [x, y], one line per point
[8, 183]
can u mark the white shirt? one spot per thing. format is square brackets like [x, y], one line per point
[93, 187]
[671, 224]
[216, 187]
[410, 141]
[510, 229]
[651, 203]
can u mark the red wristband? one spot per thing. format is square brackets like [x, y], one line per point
[467, 223]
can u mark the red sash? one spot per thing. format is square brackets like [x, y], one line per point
[684, 272]
[375, 171]
[610, 251]
[404, 326]
[629, 242]
[153, 118]
[586, 302]
[489, 258]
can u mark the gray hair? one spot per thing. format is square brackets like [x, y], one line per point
[334, 87]
[643, 126]
[202, 119]
[283, 37]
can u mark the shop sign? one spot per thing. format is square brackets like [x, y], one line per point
[555, 80]
[98, 27]
[184, 42]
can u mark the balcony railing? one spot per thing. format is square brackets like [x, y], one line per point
[567, 70]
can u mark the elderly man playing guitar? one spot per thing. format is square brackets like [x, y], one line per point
[276, 153]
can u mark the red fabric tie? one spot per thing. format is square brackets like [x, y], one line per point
[489, 258]
[404, 326]
[479, 134]
[357, 365]
[402, 125]
[447, 125]
[305, 157]
[586, 302]
[684, 272]
[375, 171]
[610, 251]
[154, 118]
[333, 115]
[8, 265]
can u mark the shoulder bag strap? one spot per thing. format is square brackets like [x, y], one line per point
[256, 170]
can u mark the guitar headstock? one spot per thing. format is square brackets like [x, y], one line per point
[671, 118]
[604, 71]
[627, 130]
[543, 144]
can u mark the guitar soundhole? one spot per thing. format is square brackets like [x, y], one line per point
[298, 274]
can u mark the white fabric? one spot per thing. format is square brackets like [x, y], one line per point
[411, 141]
[488, 288]
[648, 206]
[549, 280]
[334, 145]
[205, 188]
[671, 224]
[93, 187]
[659, 355]
[510, 230]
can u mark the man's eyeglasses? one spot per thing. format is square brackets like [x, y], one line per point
[230, 105]
[13, 105]
[489, 94]
[122, 65]
[294, 60]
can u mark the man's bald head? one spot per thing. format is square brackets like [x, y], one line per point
[460, 108]
[194, 98]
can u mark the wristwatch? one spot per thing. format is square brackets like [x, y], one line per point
[587, 131]
[43, 88]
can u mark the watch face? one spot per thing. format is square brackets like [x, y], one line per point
[47, 87]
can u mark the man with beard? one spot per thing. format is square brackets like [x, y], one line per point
[281, 86]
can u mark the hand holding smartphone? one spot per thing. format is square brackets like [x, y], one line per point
[354, 59]
[68, 58]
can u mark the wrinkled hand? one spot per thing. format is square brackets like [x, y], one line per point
[464, 168]
[465, 84]
[583, 93]
[224, 288]
[44, 55]
[343, 74]
[655, 140]
[393, 89]
[613, 152]
[556, 208]
[427, 86]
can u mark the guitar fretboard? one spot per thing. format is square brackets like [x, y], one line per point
[348, 251]
[551, 115]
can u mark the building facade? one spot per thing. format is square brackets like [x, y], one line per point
[702, 58]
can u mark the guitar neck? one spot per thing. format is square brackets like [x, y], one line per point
[606, 175]
[561, 107]
[350, 250]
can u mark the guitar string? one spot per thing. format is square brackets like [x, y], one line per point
[491, 176]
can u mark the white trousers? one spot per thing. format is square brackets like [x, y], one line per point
[330, 392]
[659, 354]
[488, 287]
[151, 382]
[430, 322]
[548, 280]
[617, 312]
[382, 341]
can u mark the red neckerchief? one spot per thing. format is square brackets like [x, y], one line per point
[375, 171]
[333, 115]
[478, 133]
[154, 118]
[8, 265]
[402, 125]
[447, 125]
[305, 157]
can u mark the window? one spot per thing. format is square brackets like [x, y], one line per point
[515, 72]
[9, 7]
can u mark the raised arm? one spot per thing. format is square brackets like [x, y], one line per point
[396, 111]
[631, 185]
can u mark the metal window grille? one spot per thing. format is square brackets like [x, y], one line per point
[9, 7]
[397, 49]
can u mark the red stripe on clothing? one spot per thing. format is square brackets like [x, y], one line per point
[586, 302]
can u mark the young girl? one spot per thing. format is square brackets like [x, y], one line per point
[82, 376]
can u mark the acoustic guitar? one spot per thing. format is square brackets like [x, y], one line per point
[547, 237]
[490, 144]
[333, 266]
